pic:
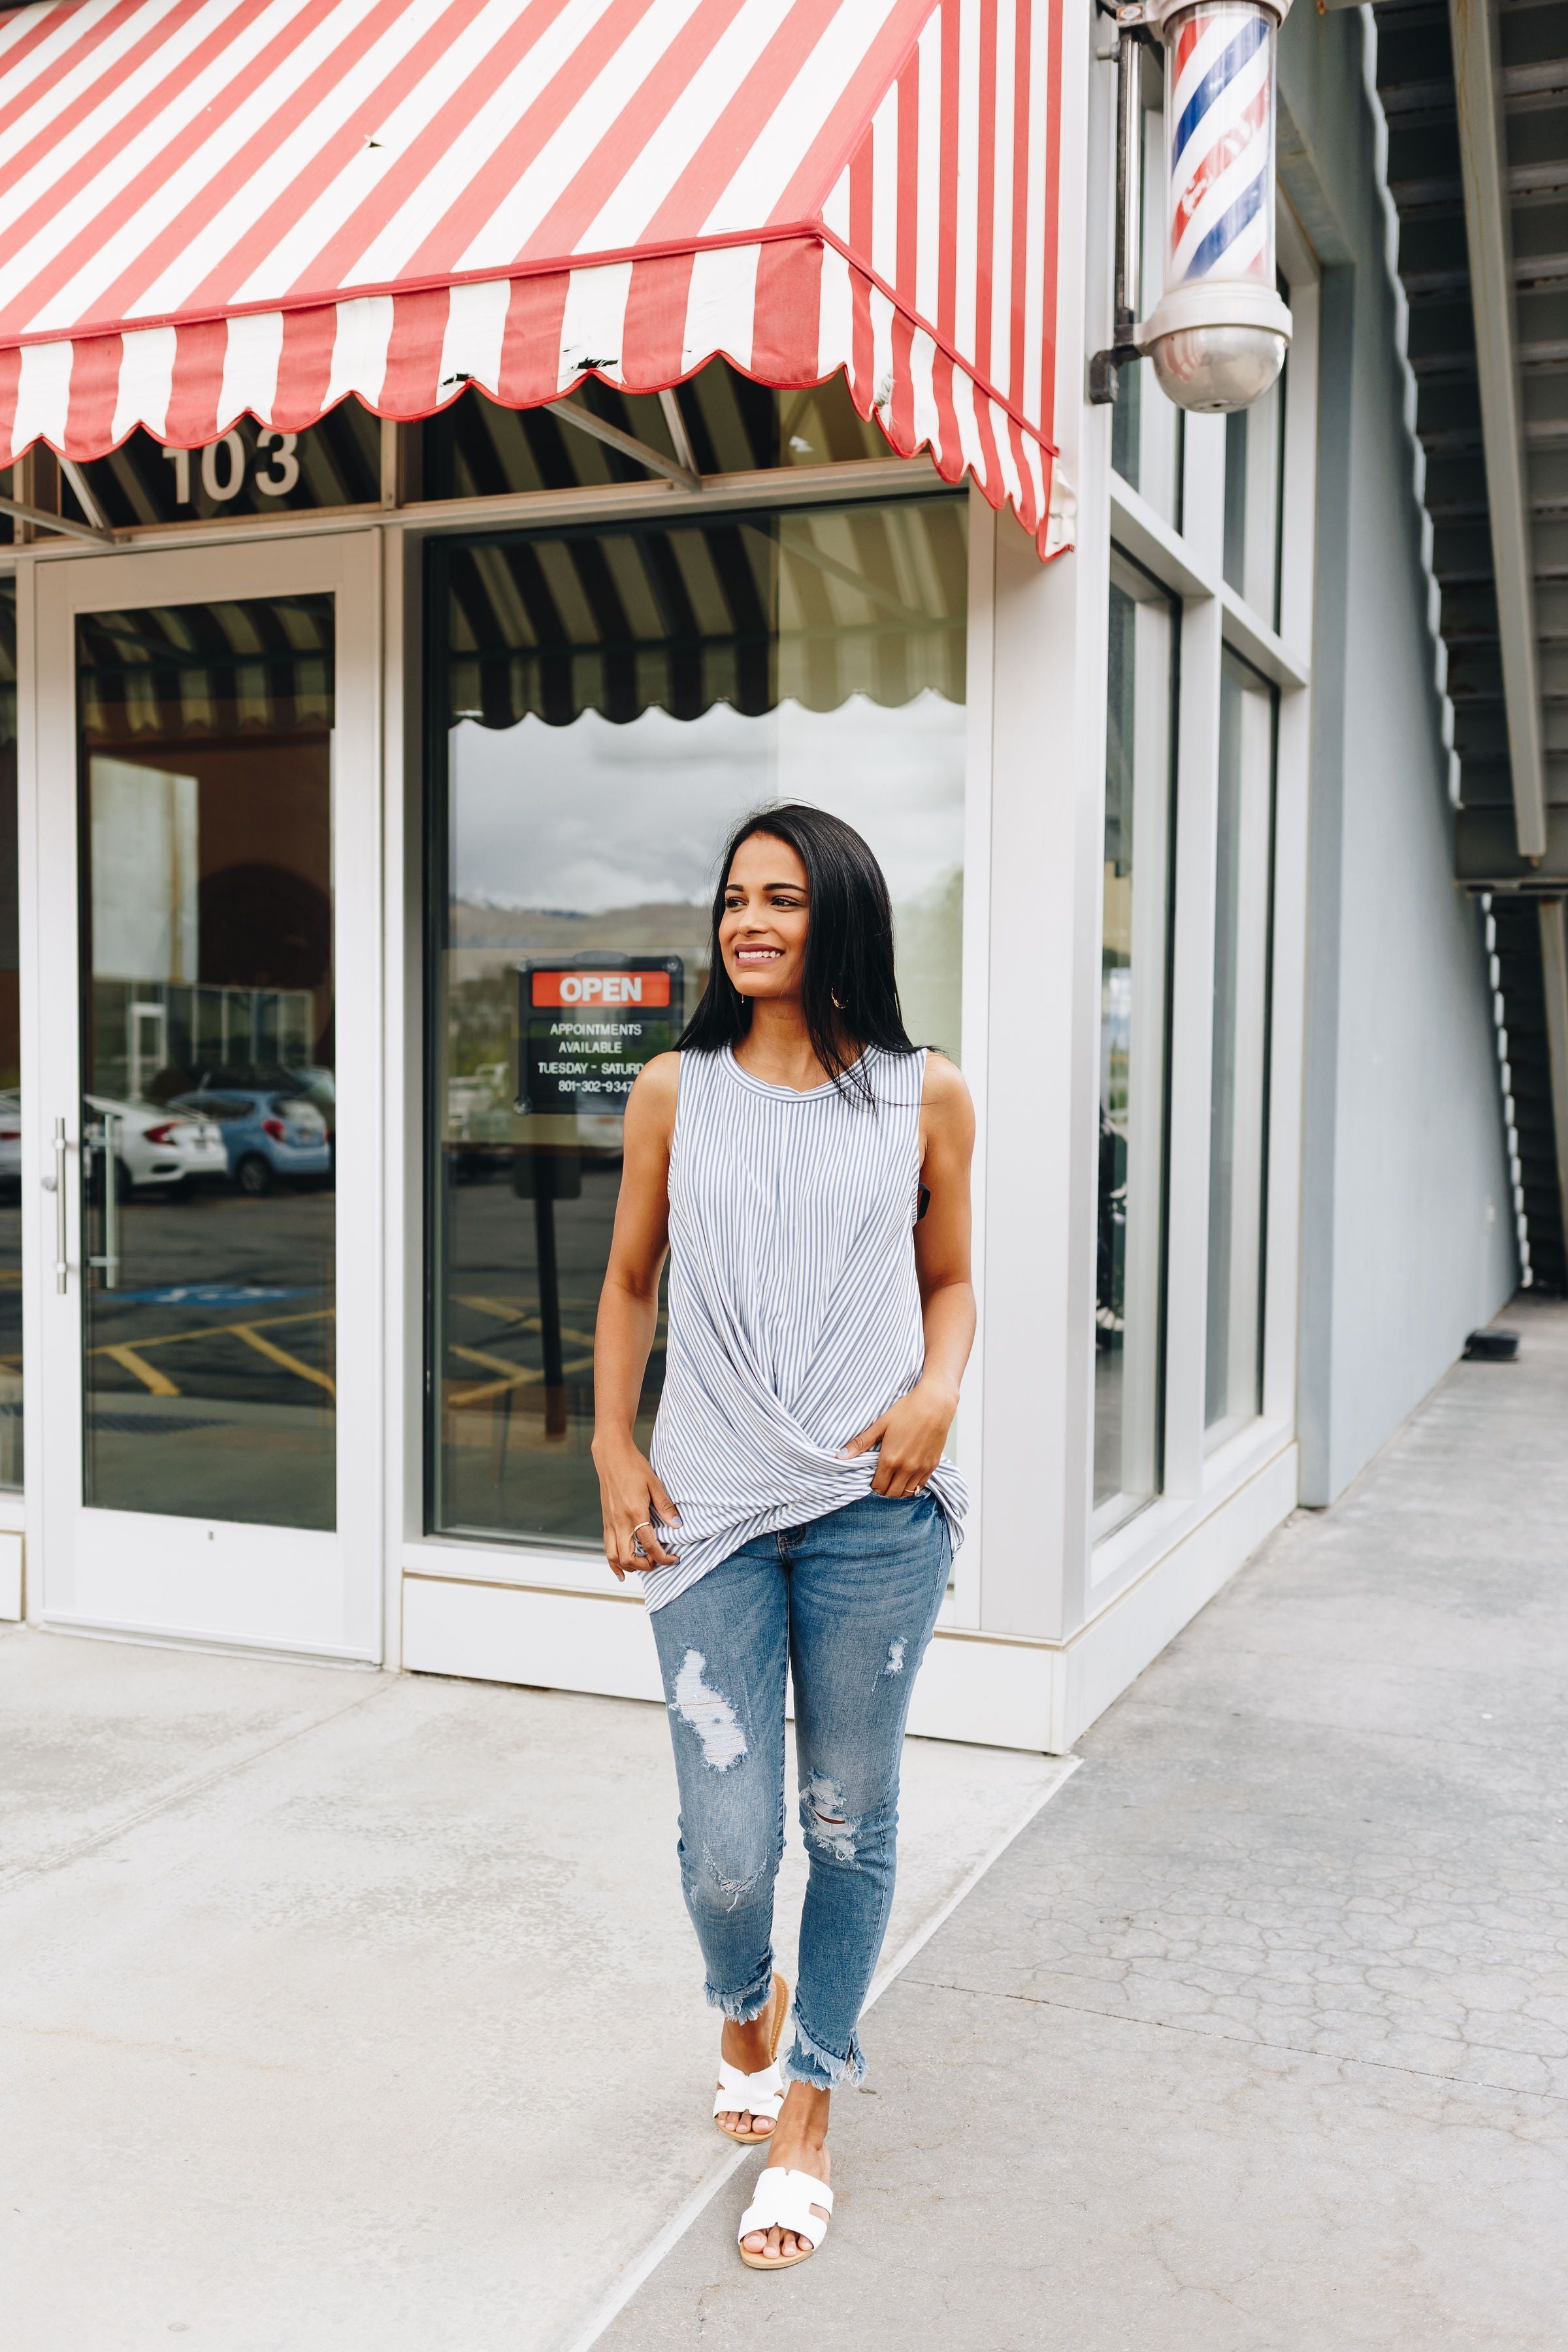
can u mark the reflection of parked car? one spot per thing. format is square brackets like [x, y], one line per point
[10, 1144]
[266, 1135]
[318, 1084]
[155, 1147]
[478, 1144]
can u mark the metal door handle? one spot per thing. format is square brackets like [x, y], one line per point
[110, 1203]
[109, 1261]
[57, 1185]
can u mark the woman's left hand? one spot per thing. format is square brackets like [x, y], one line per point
[911, 1435]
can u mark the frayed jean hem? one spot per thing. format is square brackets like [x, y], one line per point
[742, 2007]
[809, 2062]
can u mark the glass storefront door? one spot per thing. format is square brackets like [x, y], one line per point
[207, 801]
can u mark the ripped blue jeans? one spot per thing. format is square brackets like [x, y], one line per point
[847, 1603]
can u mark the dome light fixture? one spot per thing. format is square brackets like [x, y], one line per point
[1218, 334]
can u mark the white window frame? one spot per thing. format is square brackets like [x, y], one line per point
[523, 1564]
[1202, 1476]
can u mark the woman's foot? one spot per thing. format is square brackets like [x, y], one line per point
[798, 2143]
[752, 2048]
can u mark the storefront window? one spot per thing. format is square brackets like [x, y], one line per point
[1146, 428]
[1238, 1097]
[1129, 1289]
[10, 1065]
[208, 1116]
[607, 703]
[1254, 485]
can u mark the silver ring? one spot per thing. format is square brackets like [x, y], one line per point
[642, 1523]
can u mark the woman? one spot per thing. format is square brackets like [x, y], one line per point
[807, 1170]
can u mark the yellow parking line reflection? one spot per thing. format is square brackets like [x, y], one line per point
[492, 1363]
[129, 1362]
[516, 1378]
[515, 1315]
[253, 1338]
[216, 1330]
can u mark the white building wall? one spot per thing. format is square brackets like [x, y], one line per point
[1408, 1232]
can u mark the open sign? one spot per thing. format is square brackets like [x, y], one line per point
[584, 1030]
[647, 987]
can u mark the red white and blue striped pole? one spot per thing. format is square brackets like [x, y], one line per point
[1218, 333]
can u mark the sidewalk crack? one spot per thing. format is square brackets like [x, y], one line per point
[1237, 2041]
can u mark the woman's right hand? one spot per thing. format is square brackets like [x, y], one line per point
[631, 1498]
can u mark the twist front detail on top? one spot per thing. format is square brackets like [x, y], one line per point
[795, 1307]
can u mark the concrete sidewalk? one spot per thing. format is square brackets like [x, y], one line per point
[351, 2012]
[1257, 2039]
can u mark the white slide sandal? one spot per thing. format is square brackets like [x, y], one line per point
[760, 2093]
[784, 2201]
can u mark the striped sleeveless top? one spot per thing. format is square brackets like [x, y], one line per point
[794, 1311]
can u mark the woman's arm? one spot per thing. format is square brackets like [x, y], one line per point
[630, 1494]
[913, 1433]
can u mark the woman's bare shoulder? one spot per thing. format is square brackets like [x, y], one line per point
[945, 1091]
[947, 1114]
[655, 1093]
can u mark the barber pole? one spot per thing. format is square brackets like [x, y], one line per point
[1221, 71]
[1218, 334]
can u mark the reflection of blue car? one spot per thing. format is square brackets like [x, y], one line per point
[266, 1135]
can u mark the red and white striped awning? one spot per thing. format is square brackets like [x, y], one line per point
[210, 208]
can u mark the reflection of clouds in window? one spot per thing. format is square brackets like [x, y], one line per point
[625, 815]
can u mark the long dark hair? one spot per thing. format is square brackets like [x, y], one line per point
[850, 992]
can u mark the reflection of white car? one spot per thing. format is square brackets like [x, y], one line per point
[478, 1106]
[159, 1147]
[316, 1081]
[10, 1143]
